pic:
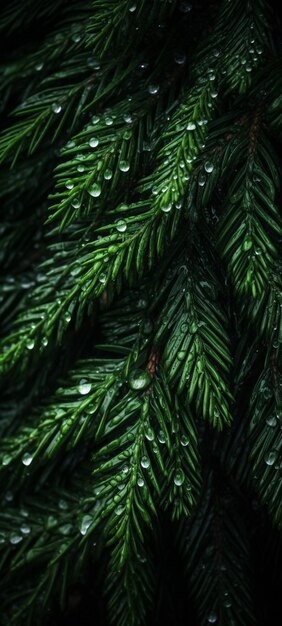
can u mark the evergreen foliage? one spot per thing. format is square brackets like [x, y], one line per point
[140, 304]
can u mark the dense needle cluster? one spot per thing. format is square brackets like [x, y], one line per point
[140, 305]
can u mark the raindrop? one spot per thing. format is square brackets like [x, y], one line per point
[67, 317]
[102, 278]
[108, 174]
[30, 344]
[271, 457]
[140, 481]
[76, 203]
[185, 7]
[84, 387]
[25, 529]
[190, 126]
[161, 436]
[271, 421]
[69, 184]
[166, 207]
[39, 66]
[121, 226]
[214, 94]
[124, 166]
[56, 108]
[201, 180]
[85, 523]
[128, 118]
[6, 459]
[179, 59]
[139, 380]
[27, 459]
[184, 440]
[153, 89]
[145, 463]
[63, 505]
[149, 434]
[212, 617]
[93, 142]
[95, 119]
[95, 190]
[14, 538]
[44, 341]
[132, 8]
[119, 510]
[209, 167]
[179, 478]
[109, 121]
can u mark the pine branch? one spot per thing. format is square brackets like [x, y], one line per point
[192, 333]
[265, 439]
[219, 558]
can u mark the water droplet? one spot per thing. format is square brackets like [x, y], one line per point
[15, 538]
[140, 481]
[179, 58]
[95, 119]
[76, 203]
[247, 245]
[9, 496]
[30, 344]
[132, 8]
[184, 440]
[212, 617]
[102, 278]
[39, 67]
[190, 126]
[63, 505]
[25, 529]
[95, 190]
[6, 459]
[185, 7]
[227, 604]
[209, 166]
[85, 523]
[161, 436]
[271, 421]
[119, 510]
[84, 387]
[27, 459]
[153, 89]
[149, 434]
[179, 478]
[109, 121]
[80, 167]
[271, 457]
[69, 184]
[201, 180]
[145, 463]
[67, 317]
[121, 226]
[139, 380]
[93, 142]
[44, 341]
[166, 207]
[108, 174]
[124, 166]
[56, 108]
